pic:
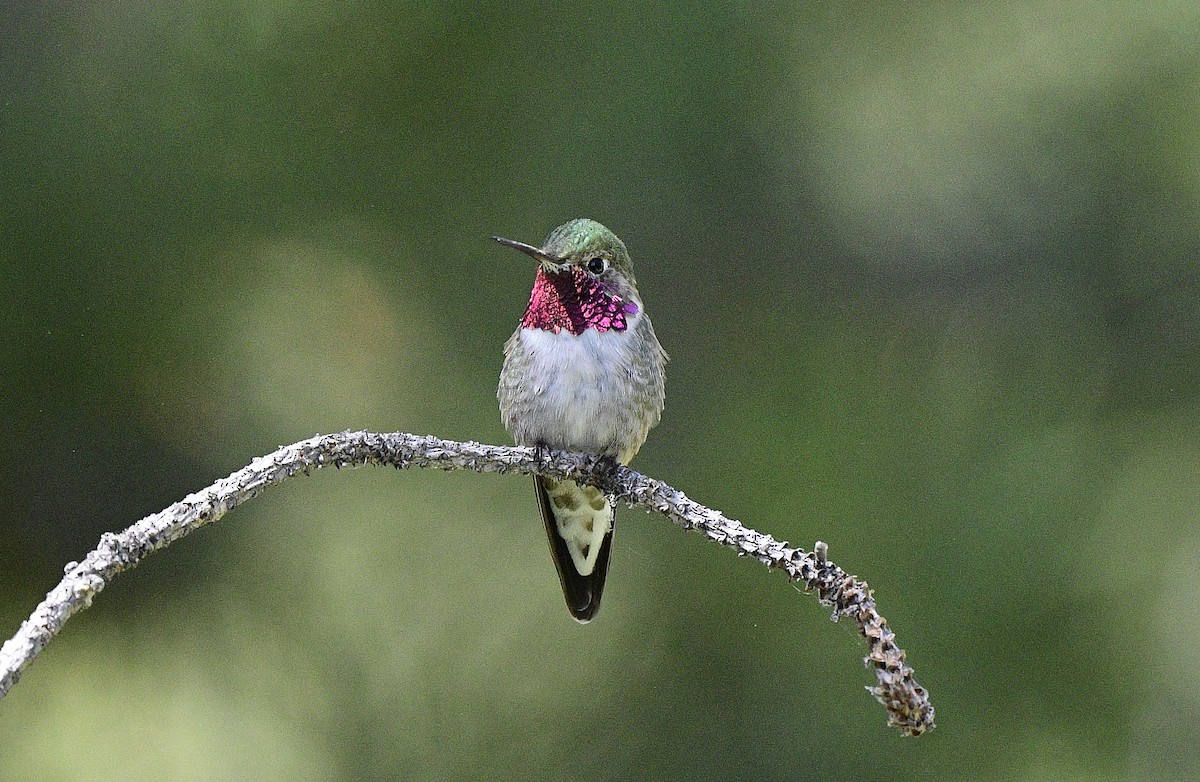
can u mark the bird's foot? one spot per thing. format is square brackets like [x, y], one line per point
[541, 455]
[606, 469]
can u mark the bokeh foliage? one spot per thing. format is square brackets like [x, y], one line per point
[928, 274]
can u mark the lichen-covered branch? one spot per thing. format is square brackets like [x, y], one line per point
[907, 702]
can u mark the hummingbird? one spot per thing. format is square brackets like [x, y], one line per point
[582, 372]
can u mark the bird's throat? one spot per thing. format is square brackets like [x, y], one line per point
[574, 301]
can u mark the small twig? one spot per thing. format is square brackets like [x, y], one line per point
[907, 702]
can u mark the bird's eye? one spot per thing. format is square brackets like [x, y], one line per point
[597, 265]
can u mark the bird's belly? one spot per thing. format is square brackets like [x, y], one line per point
[577, 393]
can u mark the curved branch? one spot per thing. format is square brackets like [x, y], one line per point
[907, 702]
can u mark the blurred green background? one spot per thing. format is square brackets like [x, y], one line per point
[928, 275]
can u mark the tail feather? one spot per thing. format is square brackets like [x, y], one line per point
[582, 592]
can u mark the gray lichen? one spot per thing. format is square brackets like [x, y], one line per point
[907, 702]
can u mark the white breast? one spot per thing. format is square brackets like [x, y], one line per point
[578, 389]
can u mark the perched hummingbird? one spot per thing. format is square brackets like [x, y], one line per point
[583, 372]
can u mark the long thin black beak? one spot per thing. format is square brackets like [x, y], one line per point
[529, 250]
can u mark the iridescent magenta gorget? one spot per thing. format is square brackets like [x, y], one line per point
[574, 301]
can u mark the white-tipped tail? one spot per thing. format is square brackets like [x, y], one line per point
[579, 525]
